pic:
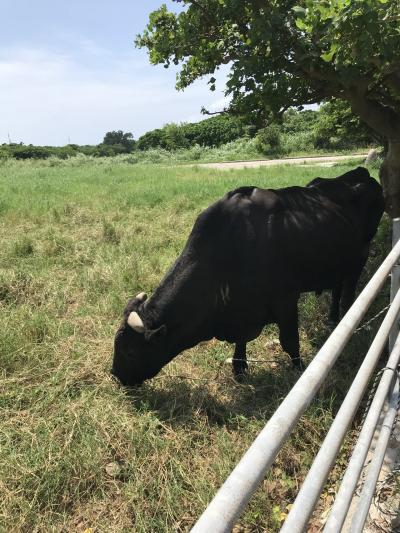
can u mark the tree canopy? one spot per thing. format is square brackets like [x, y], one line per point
[284, 53]
[118, 137]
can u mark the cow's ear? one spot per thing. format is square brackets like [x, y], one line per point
[155, 335]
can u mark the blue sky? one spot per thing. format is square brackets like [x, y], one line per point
[69, 72]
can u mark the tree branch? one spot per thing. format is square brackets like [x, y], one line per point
[205, 111]
[393, 80]
[379, 117]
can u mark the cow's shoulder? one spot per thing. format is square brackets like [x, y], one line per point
[247, 198]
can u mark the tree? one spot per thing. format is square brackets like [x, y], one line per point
[119, 137]
[285, 53]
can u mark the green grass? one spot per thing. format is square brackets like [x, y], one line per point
[77, 239]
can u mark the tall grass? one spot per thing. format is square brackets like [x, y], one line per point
[77, 239]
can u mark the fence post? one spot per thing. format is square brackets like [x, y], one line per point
[395, 281]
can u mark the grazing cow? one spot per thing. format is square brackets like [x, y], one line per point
[247, 259]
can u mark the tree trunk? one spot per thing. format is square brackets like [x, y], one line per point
[390, 178]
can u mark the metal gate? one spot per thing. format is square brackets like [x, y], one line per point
[229, 502]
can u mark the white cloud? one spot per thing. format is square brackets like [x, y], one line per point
[220, 104]
[48, 97]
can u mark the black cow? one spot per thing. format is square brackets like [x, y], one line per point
[247, 259]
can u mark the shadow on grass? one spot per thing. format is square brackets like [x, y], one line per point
[220, 400]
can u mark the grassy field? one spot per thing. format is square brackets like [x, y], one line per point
[77, 451]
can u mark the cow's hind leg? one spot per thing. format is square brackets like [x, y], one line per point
[287, 316]
[349, 289]
[239, 363]
[334, 310]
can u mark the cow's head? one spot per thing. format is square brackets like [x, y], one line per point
[139, 352]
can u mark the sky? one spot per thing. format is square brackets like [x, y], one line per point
[69, 72]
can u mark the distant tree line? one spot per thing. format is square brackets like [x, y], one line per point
[213, 131]
[332, 126]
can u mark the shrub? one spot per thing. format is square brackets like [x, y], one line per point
[302, 141]
[30, 152]
[269, 139]
[152, 139]
[175, 137]
[294, 122]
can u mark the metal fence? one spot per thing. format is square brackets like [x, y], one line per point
[229, 502]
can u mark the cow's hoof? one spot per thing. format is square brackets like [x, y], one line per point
[240, 372]
[298, 364]
[240, 377]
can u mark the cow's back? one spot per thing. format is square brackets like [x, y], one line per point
[293, 238]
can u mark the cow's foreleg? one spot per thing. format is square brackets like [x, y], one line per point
[349, 293]
[289, 331]
[334, 311]
[239, 363]
[350, 283]
[349, 289]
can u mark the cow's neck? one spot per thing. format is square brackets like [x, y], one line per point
[185, 302]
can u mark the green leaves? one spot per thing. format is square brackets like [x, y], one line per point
[300, 12]
[328, 56]
[301, 24]
[282, 54]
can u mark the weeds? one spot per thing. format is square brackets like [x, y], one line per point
[110, 233]
[23, 248]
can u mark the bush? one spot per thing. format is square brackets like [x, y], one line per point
[302, 141]
[63, 152]
[106, 150]
[269, 139]
[4, 153]
[298, 121]
[30, 152]
[175, 137]
[152, 139]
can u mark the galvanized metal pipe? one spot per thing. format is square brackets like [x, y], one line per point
[316, 477]
[361, 513]
[343, 499]
[395, 279]
[234, 494]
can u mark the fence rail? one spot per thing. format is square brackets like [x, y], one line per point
[229, 502]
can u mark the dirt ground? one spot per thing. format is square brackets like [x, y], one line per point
[324, 160]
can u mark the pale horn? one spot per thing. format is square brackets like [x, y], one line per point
[135, 322]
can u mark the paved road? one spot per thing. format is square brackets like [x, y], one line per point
[323, 160]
